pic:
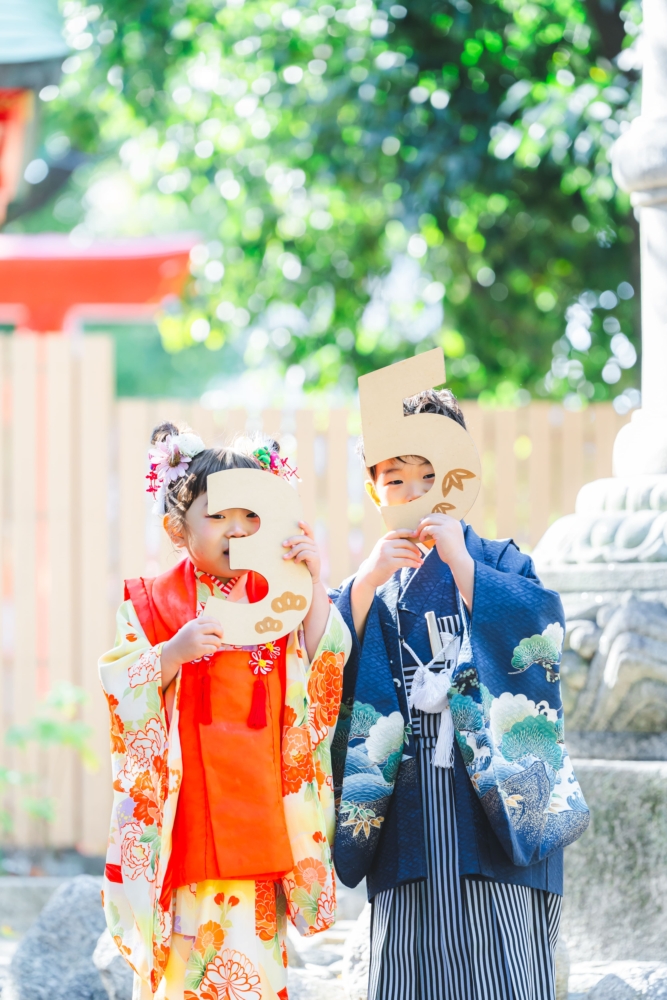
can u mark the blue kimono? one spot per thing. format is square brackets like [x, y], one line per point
[517, 800]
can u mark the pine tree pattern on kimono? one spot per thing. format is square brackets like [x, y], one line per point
[147, 773]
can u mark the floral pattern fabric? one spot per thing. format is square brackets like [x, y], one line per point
[217, 940]
[507, 712]
[514, 750]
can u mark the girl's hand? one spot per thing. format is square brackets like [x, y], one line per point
[447, 533]
[395, 550]
[303, 548]
[200, 637]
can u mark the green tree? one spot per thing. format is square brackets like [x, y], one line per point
[368, 180]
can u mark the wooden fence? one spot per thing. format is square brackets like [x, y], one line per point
[75, 520]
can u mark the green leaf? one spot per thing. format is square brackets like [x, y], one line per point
[334, 639]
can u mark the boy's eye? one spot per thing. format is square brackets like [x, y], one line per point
[395, 482]
[430, 475]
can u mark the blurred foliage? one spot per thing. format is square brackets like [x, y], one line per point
[368, 180]
[55, 724]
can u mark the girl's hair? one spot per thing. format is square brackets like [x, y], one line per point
[182, 492]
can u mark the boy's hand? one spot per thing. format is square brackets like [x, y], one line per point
[447, 533]
[303, 548]
[395, 550]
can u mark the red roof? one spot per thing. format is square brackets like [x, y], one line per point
[47, 276]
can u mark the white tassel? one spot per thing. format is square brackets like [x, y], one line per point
[429, 694]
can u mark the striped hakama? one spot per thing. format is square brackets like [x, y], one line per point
[453, 938]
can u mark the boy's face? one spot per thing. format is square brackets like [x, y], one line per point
[400, 480]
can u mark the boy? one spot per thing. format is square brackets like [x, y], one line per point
[463, 863]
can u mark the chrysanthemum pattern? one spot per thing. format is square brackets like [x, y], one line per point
[231, 976]
[146, 669]
[135, 855]
[148, 771]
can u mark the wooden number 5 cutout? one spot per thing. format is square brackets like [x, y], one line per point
[290, 584]
[388, 433]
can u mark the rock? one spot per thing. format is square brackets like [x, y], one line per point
[618, 981]
[562, 970]
[615, 902]
[294, 959]
[308, 985]
[54, 961]
[116, 975]
[357, 957]
[22, 899]
[612, 988]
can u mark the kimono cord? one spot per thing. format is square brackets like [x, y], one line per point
[429, 694]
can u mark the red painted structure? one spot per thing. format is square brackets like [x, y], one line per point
[50, 281]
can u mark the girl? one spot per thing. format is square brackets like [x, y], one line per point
[223, 800]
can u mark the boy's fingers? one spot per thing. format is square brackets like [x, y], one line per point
[401, 533]
[306, 528]
[403, 545]
[405, 554]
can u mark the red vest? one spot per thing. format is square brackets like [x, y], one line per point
[230, 821]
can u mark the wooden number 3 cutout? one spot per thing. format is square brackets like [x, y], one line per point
[290, 584]
[388, 433]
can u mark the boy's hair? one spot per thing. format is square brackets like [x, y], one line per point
[182, 492]
[440, 401]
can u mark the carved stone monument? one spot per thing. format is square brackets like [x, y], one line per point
[609, 562]
[609, 559]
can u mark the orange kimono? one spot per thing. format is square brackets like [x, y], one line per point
[226, 835]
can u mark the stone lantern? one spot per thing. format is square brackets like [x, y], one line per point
[609, 562]
[609, 558]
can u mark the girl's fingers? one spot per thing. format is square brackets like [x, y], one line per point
[303, 546]
[209, 630]
[298, 540]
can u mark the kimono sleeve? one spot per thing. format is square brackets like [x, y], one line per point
[131, 678]
[311, 710]
[507, 711]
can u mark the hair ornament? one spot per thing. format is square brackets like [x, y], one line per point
[169, 460]
[270, 461]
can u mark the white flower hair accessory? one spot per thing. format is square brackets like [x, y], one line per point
[169, 460]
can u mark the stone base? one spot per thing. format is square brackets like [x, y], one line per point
[604, 577]
[617, 746]
[618, 981]
[615, 903]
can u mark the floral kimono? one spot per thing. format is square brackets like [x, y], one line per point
[221, 937]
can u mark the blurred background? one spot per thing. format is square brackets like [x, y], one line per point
[224, 212]
[359, 182]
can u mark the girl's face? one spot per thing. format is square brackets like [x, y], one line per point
[399, 481]
[206, 536]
